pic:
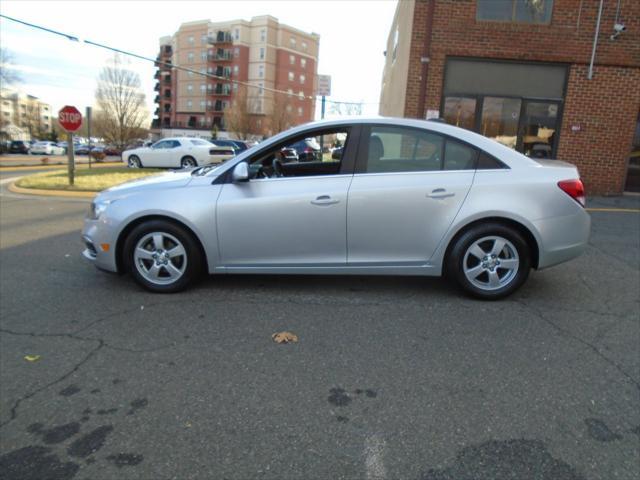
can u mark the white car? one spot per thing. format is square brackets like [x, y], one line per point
[185, 152]
[46, 148]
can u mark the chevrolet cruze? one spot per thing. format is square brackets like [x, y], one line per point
[403, 197]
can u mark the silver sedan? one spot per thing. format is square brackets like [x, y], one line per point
[404, 197]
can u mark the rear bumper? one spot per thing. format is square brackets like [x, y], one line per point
[562, 238]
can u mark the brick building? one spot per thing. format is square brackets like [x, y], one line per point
[261, 53]
[521, 72]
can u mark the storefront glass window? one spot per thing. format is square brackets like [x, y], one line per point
[460, 111]
[500, 118]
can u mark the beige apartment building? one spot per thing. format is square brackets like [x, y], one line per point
[236, 62]
[23, 116]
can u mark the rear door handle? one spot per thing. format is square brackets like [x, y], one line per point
[324, 200]
[439, 193]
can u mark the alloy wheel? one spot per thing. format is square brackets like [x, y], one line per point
[160, 258]
[491, 263]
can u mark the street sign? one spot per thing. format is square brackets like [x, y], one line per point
[324, 85]
[70, 118]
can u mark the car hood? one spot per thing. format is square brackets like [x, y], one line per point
[166, 180]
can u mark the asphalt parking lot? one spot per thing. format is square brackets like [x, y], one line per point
[392, 378]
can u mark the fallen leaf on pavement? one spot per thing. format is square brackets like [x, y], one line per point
[284, 337]
[32, 358]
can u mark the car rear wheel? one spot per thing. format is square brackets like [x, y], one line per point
[163, 257]
[188, 162]
[490, 261]
[134, 162]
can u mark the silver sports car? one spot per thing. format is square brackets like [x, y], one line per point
[403, 197]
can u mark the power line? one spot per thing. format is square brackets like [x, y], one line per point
[175, 66]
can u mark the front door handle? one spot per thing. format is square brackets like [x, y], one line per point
[439, 193]
[324, 200]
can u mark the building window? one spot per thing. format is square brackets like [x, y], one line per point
[189, 74]
[289, 108]
[203, 55]
[261, 71]
[236, 34]
[191, 40]
[236, 69]
[292, 42]
[290, 92]
[235, 87]
[190, 57]
[189, 104]
[236, 52]
[203, 88]
[395, 45]
[304, 46]
[261, 89]
[203, 40]
[300, 111]
[303, 62]
[292, 59]
[523, 11]
[189, 88]
[302, 78]
[291, 76]
[202, 104]
[301, 95]
[203, 71]
[263, 35]
[261, 53]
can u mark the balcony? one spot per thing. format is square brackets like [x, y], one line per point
[157, 87]
[220, 56]
[220, 37]
[167, 94]
[157, 99]
[157, 112]
[222, 90]
[155, 123]
[166, 50]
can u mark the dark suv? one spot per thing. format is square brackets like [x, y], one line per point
[308, 150]
[19, 146]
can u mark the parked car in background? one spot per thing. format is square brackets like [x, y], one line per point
[19, 146]
[308, 150]
[177, 152]
[112, 151]
[46, 148]
[408, 197]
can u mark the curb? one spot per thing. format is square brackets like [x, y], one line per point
[50, 193]
[57, 166]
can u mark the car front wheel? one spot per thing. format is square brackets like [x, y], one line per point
[162, 256]
[134, 162]
[490, 261]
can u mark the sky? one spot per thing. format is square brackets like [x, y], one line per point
[353, 37]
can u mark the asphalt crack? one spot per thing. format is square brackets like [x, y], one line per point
[538, 313]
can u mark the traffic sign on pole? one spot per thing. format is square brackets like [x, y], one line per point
[70, 119]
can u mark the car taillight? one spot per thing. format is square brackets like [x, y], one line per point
[573, 188]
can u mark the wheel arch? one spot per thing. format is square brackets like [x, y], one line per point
[192, 157]
[529, 237]
[122, 237]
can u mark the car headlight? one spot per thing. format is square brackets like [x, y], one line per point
[98, 207]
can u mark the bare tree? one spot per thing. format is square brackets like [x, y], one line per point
[121, 109]
[8, 75]
[280, 117]
[32, 121]
[239, 116]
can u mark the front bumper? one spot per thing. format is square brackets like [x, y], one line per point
[95, 236]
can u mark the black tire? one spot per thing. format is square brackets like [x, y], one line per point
[194, 258]
[188, 162]
[460, 257]
[134, 162]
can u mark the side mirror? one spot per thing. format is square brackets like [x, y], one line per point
[240, 173]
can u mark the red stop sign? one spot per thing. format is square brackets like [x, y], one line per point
[70, 118]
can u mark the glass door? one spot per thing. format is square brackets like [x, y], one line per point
[500, 119]
[538, 129]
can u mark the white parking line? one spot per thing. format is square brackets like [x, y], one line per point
[373, 462]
